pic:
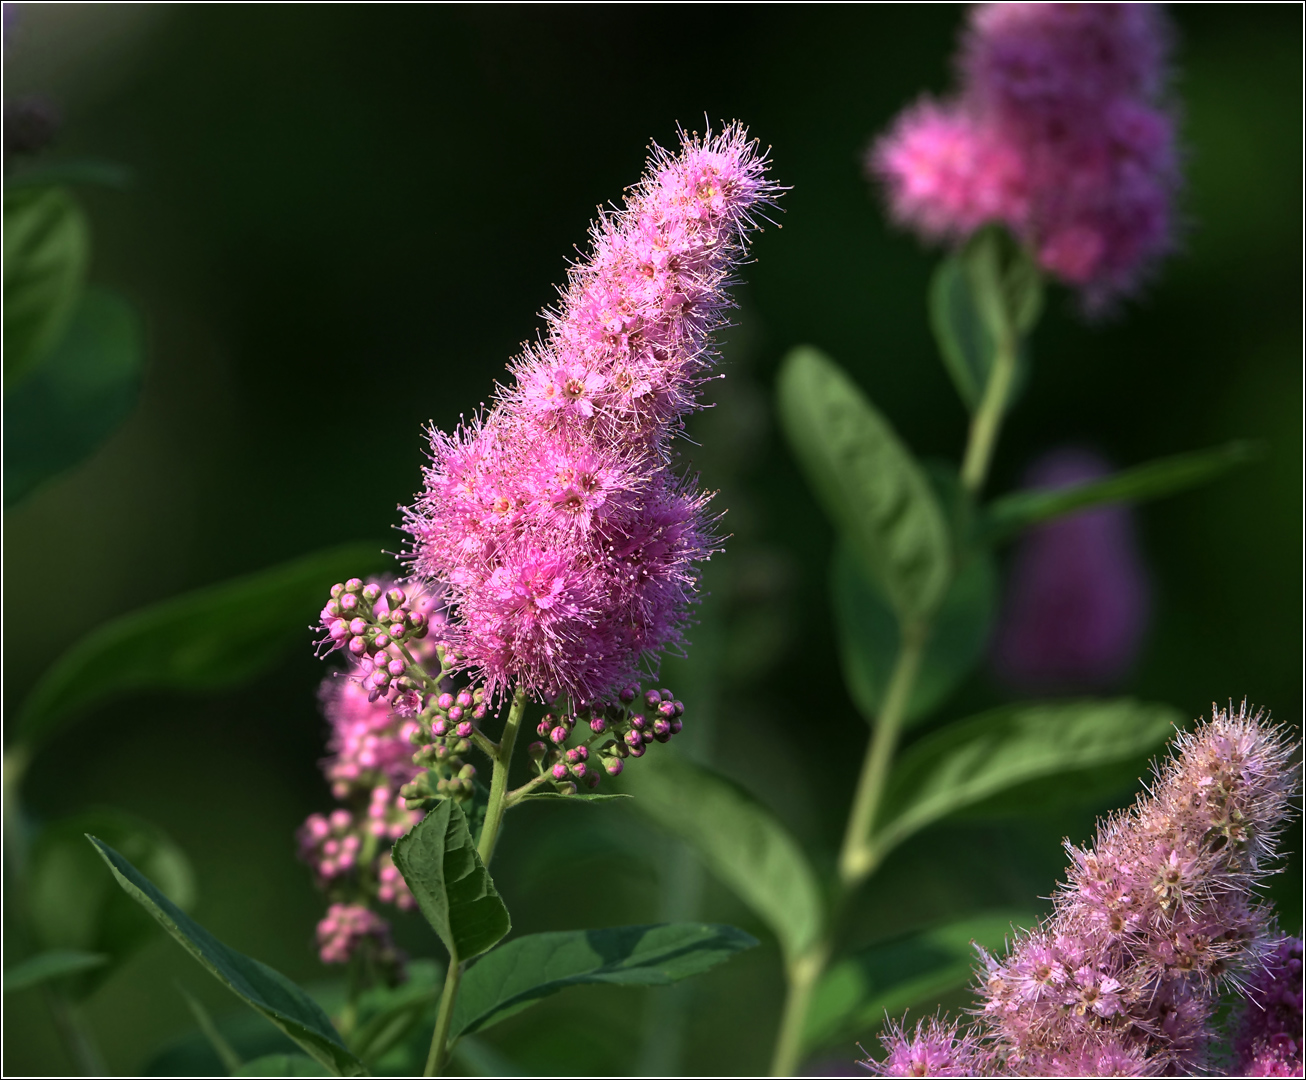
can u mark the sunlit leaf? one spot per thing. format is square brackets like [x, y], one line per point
[739, 840]
[77, 397]
[208, 639]
[438, 859]
[867, 481]
[971, 760]
[267, 991]
[522, 972]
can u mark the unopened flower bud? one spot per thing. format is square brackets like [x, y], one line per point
[464, 729]
[579, 753]
[397, 630]
[652, 698]
[676, 725]
[381, 641]
[567, 788]
[462, 746]
[544, 727]
[592, 779]
[627, 695]
[336, 590]
[467, 772]
[353, 585]
[633, 739]
[637, 750]
[395, 598]
[580, 770]
[680, 708]
[456, 713]
[667, 709]
[598, 725]
[439, 726]
[372, 592]
[559, 771]
[537, 750]
[613, 766]
[357, 646]
[463, 700]
[395, 667]
[348, 602]
[558, 736]
[478, 713]
[444, 701]
[638, 722]
[661, 729]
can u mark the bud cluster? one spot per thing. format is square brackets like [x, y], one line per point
[616, 726]
[349, 928]
[443, 735]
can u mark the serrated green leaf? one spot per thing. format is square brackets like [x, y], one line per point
[77, 397]
[438, 859]
[974, 759]
[524, 971]
[73, 905]
[266, 991]
[1166, 476]
[739, 840]
[53, 964]
[867, 481]
[854, 995]
[46, 245]
[208, 639]
[868, 634]
[283, 1065]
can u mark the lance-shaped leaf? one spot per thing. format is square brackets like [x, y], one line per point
[74, 400]
[266, 991]
[46, 243]
[867, 481]
[53, 964]
[855, 993]
[974, 759]
[450, 883]
[869, 636]
[522, 972]
[1166, 476]
[208, 639]
[739, 840]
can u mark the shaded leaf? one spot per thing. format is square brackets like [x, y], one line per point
[53, 964]
[211, 638]
[478, 1058]
[388, 1014]
[974, 759]
[283, 1065]
[522, 972]
[579, 797]
[46, 245]
[95, 171]
[1166, 476]
[866, 480]
[739, 840]
[868, 634]
[450, 883]
[856, 992]
[267, 991]
[73, 905]
[226, 1053]
[74, 400]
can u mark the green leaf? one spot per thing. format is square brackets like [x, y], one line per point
[866, 480]
[95, 171]
[522, 972]
[450, 883]
[388, 1014]
[969, 761]
[53, 964]
[478, 1058]
[73, 906]
[1166, 476]
[989, 288]
[46, 245]
[227, 1054]
[283, 1065]
[868, 633]
[855, 994]
[740, 841]
[579, 797]
[208, 639]
[74, 400]
[266, 991]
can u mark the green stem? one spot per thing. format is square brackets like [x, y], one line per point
[857, 858]
[76, 1034]
[439, 1052]
[804, 973]
[987, 421]
[499, 781]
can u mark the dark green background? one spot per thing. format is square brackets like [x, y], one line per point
[344, 222]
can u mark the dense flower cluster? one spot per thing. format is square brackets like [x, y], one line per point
[1269, 1039]
[1077, 596]
[346, 927]
[566, 541]
[1158, 917]
[1058, 132]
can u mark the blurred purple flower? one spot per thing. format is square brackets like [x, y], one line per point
[1077, 598]
[1269, 1040]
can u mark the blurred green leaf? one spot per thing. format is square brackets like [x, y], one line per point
[226, 1053]
[1166, 476]
[739, 840]
[71, 905]
[283, 1065]
[266, 991]
[579, 797]
[480, 1059]
[971, 760]
[990, 287]
[868, 634]
[46, 246]
[867, 481]
[191, 1054]
[53, 964]
[74, 400]
[208, 639]
[856, 992]
[95, 171]
[388, 1014]
[524, 971]
[450, 883]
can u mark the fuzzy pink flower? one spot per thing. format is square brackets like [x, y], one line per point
[935, 1048]
[348, 927]
[567, 543]
[1269, 1039]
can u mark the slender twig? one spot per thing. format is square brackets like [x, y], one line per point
[439, 1052]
